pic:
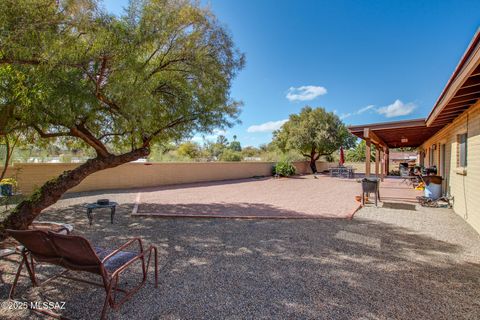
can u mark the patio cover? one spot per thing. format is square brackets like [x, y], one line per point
[397, 134]
[460, 93]
[386, 135]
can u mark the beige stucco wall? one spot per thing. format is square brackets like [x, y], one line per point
[139, 175]
[465, 188]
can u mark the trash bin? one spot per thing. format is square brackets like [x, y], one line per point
[370, 185]
[433, 187]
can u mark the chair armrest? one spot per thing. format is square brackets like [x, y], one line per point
[125, 245]
[141, 256]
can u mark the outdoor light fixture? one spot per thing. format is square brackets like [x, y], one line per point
[404, 140]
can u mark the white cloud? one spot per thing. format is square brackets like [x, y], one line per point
[397, 109]
[365, 109]
[359, 111]
[305, 93]
[267, 126]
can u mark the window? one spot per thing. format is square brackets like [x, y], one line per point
[462, 150]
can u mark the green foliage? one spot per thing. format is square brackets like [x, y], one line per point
[235, 146]
[250, 152]
[189, 150]
[69, 70]
[357, 154]
[284, 168]
[231, 155]
[10, 181]
[222, 140]
[313, 133]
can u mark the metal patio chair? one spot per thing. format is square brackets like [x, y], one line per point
[75, 253]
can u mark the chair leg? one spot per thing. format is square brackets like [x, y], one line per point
[107, 300]
[31, 271]
[156, 267]
[114, 296]
[17, 275]
[363, 198]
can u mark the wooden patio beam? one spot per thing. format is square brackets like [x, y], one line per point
[369, 134]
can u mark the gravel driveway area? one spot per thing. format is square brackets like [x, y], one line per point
[384, 264]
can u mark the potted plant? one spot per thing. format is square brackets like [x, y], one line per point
[7, 186]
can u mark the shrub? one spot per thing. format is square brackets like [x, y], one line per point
[9, 181]
[8, 186]
[230, 155]
[284, 168]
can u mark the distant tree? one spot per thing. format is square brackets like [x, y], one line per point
[235, 145]
[263, 147]
[190, 150]
[115, 85]
[222, 140]
[314, 133]
[250, 151]
[357, 154]
[231, 155]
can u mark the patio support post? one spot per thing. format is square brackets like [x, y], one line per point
[382, 163]
[377, 160]
[367, 158]
[387, 160]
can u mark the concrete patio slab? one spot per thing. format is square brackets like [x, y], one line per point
[285, 198]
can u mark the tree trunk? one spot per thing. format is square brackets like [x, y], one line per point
[313, 161]
[7, 158]
[313, 165]
[27, 210]
[8, 154]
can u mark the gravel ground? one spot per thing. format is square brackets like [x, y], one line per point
[383, 264]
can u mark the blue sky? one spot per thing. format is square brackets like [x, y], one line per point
[369, 61]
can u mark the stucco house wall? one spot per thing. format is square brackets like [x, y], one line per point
[462, 183]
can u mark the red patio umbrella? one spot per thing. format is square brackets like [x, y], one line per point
[342, 156]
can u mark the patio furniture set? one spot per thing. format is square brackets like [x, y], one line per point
[342, 172]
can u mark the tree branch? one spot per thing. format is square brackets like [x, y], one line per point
[178, 121]
[101, 74]
[83, 133]
[111, 134]
[164, 65]
[51, 134]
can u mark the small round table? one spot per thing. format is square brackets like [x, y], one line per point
[112, 205]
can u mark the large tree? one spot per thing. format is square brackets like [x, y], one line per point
[314, 133]
[116, 85]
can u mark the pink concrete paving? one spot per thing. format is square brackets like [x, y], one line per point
[394, 189]
[290, 198]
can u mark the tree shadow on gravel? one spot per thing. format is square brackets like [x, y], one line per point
[225, 209]
[82, 194]
[312, 268]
